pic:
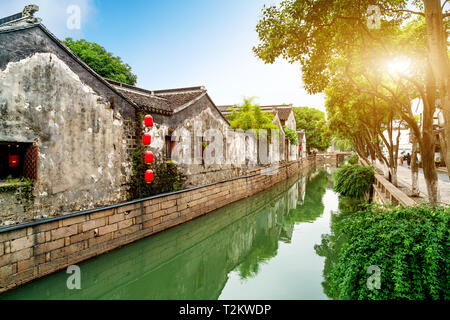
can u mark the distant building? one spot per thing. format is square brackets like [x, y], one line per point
[283, 116]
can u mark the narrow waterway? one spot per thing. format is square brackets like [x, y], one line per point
[261, 247]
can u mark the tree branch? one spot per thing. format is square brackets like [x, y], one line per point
[405, 10]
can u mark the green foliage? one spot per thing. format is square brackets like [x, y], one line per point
[347, 204]
[343, 144]
[167, 176]
[409, 245]
[312, 206]
[353, 159]
[353, 180]
[291, 135]
[18, 184]
[101, 61]
[312, 121]
[249, 115]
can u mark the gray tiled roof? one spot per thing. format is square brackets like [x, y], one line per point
[180, 97]
[162, 101]
[147, 102]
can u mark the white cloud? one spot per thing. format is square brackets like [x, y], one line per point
[53, 14]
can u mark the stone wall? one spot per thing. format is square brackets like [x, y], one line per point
[31, 251]
[221, 239]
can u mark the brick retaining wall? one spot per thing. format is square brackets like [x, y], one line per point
[33, 250]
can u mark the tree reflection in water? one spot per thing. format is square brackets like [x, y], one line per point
[265, 245]
[332, 243]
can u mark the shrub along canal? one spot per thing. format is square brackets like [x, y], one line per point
[261, 247]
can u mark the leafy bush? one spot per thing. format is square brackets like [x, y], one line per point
[353, 159]
[354, 181]
[291, 135]
[167, 177]
[409, 245]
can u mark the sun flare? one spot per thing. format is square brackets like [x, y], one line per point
[399, 65]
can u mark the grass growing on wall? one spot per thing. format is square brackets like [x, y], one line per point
[291, 135]
[410, 246]
[167, 177]
[14, 184]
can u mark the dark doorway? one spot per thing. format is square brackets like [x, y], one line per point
[17, 160]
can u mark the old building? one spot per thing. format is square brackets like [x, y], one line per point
[71, 132]
[302, 144]
[283, 116]
[62, 126]
[181, 112]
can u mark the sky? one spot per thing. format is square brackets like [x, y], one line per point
[172, 44]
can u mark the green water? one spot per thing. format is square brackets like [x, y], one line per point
[257, 248]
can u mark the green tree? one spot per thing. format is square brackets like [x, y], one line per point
[249, 115]
[331, 39]
[101, 61]
[343, 144]
[312, 121]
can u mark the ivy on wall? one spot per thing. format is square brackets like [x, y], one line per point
[291, 135]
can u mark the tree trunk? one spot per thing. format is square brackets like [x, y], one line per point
[427, 148]
[443, 144]
[414, 168]
[438, 58]
[393, 174]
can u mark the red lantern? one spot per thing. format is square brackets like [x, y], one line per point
[148, 120]
[149, 176]
[146, 139]
[148, 157]
[13, 161]
[300, 148]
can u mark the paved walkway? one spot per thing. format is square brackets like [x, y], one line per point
[404, 178]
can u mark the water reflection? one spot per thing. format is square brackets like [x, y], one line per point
[197, 260]
[332, 244]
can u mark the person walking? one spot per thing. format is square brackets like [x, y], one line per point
[408, 160]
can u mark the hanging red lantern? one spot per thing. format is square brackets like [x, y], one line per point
[13, 161]
[148, 157]
[149, 176]
[300, 148]
[148, 120]
[146, 139]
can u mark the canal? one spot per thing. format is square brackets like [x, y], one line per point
[261, 247]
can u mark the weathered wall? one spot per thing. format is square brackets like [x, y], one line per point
[83, 161]
[16, 204]
[17, 45]
[31, 252]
